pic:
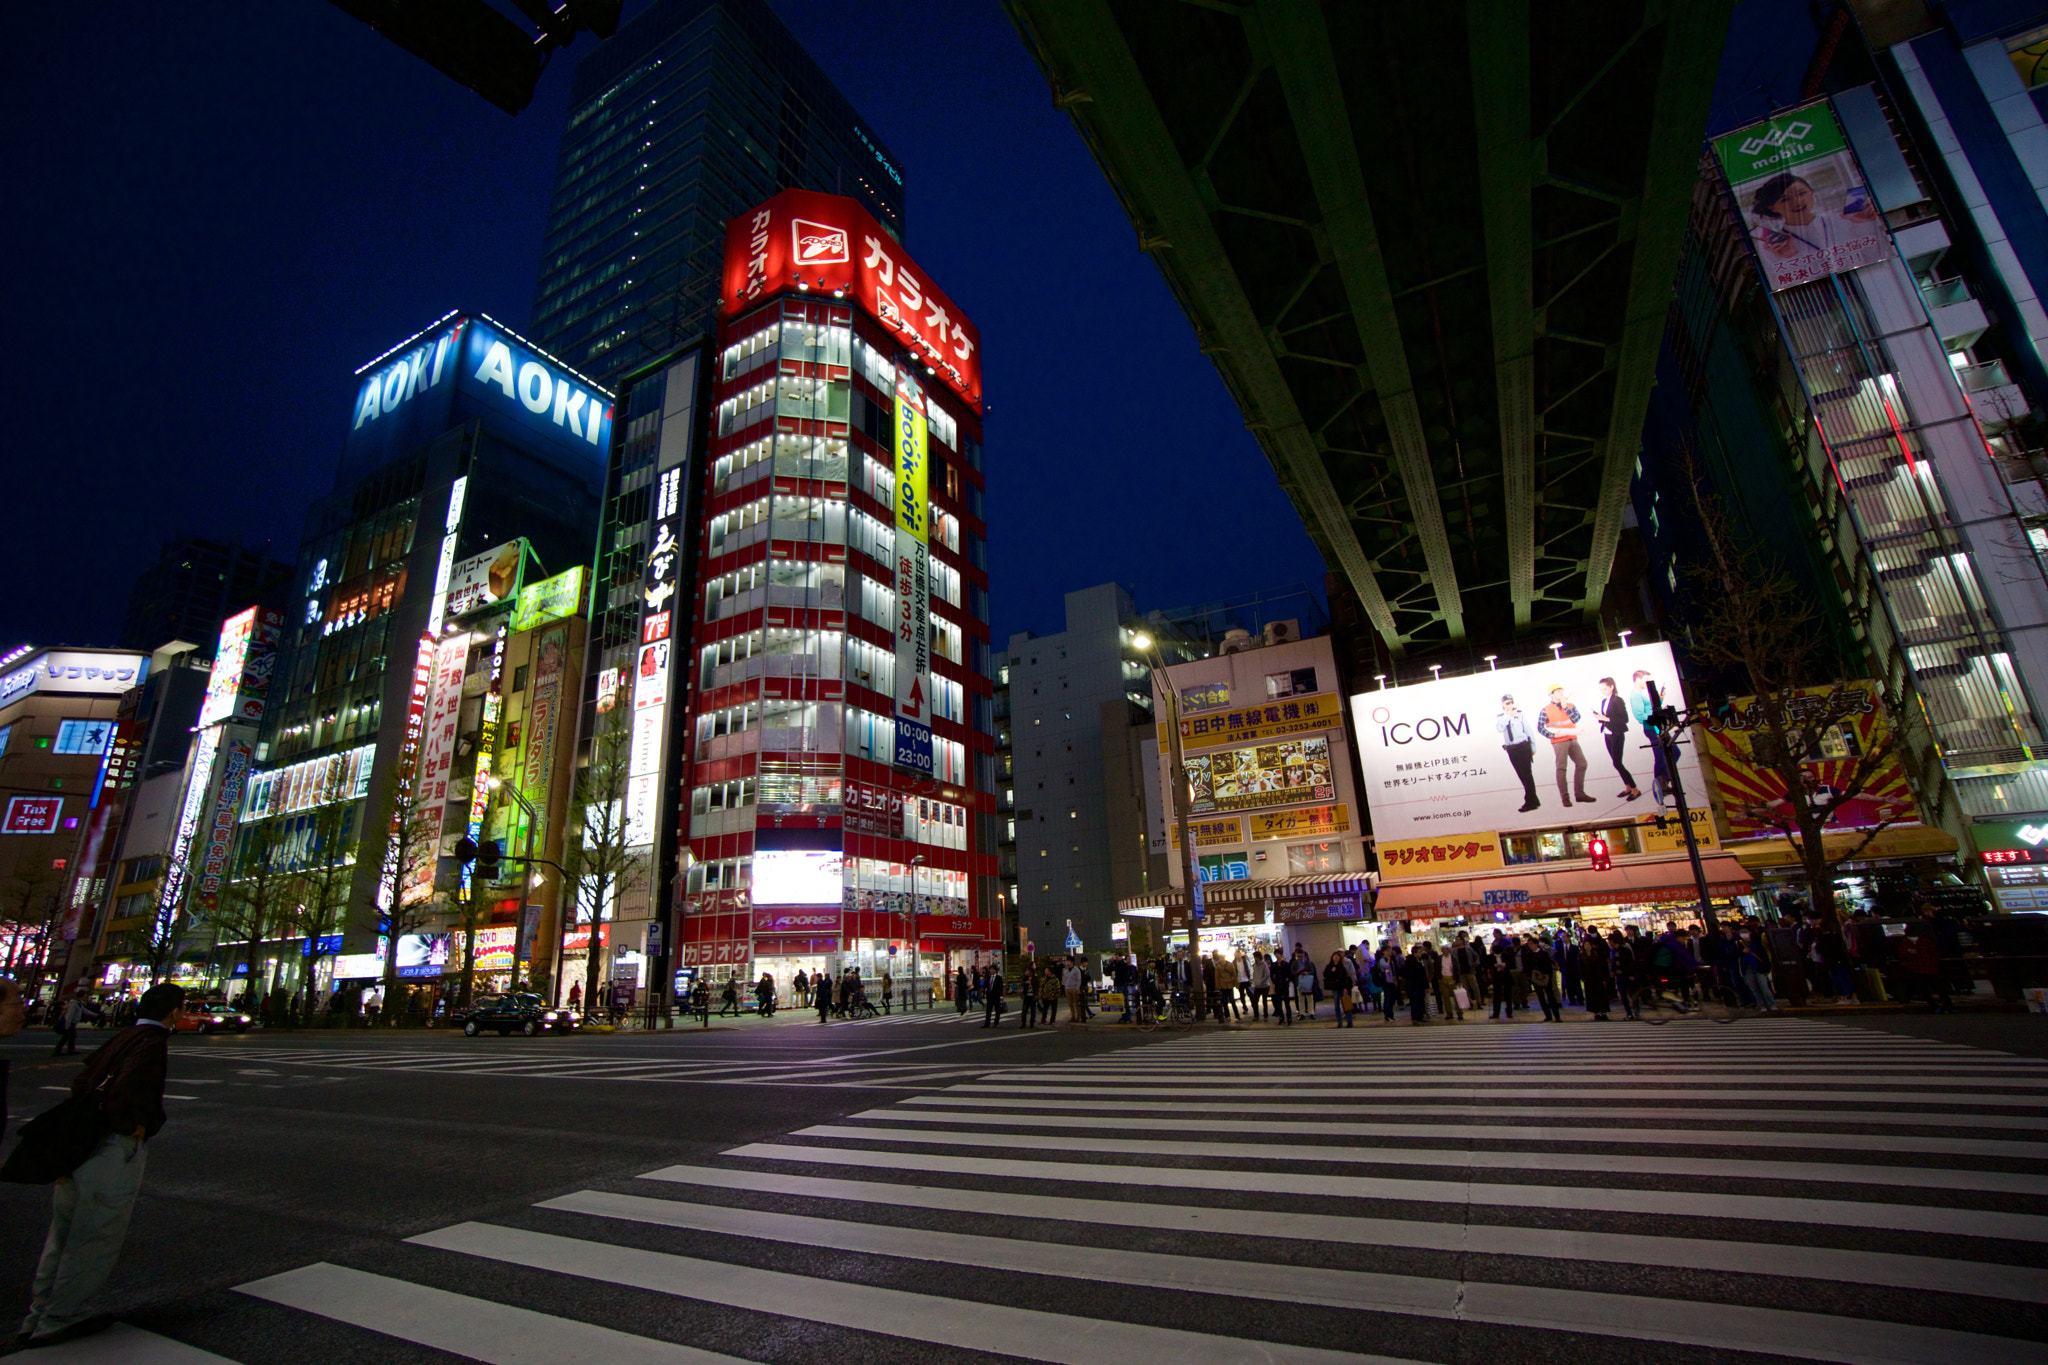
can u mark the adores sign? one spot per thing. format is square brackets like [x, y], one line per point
[823, 243]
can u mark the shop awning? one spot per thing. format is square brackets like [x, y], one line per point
[1252, 892]
[1562, 888]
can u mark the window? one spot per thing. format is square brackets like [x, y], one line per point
[1323, 857]
[82, 736]
[1295, 682]
[519, 678]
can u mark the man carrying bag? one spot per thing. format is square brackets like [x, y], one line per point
[93, 1147]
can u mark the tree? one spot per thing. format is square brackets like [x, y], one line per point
[169, 920]
[256, 906]
[602, 868]
[413, 843]
[323, 876]
[1760, 628]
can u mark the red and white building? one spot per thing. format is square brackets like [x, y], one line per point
[840, 752]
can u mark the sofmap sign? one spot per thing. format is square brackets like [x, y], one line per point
[75, 670]
[833, 247]
[467, 366]
[1518, 749]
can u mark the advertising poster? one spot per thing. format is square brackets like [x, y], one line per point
[436, 761]
[549, 600]
[1313, 822]
[1537, 747]
[1285, 773]
[1809, 212]
[913, 582]
[1270, 720]
[1753, 797]
[220, 833]
[487, 579]
[543, 709]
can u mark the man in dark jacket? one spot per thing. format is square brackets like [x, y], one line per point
[92, 1204]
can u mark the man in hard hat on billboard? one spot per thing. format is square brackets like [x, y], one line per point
[1558, 722]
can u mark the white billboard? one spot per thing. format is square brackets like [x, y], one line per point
[483, 580]
[1542, 746]
[797, 877]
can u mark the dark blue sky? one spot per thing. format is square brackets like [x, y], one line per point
[213, 221]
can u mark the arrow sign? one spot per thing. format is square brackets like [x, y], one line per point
[915, 706]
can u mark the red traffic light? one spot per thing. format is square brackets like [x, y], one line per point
[1596, 849]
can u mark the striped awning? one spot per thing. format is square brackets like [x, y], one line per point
[1252, 892]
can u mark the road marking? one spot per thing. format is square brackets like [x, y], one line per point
[476, 1329]
[122, 1344]
[1022, 1332]
[1251, 1091]
[2026, 1284]
[1723, 1326]
[1656, 1203]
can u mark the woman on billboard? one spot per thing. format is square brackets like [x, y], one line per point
[1612, 710]
[1790, 223]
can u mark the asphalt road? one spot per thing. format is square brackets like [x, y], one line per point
[918, 1188]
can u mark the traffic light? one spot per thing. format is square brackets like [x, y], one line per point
[1596, 849]
[465, 850]
[487, 855]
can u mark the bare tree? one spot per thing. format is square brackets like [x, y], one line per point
[602, 868]
[170, 922]
[414, 840]
[255, 906]
[1760, 625]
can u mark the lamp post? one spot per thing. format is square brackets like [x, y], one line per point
[915, 863]
[1190, 871]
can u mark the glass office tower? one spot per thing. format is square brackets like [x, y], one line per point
[694, 112]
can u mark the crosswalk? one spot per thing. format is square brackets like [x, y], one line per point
[1782, 1189]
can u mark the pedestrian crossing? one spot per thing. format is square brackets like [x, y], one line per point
[1785, 1190]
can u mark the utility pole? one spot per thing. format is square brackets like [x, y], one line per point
[1669, 723]
[1190, 869]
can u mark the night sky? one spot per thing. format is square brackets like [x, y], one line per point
[217, 212]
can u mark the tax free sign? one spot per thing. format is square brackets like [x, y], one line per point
[468, 367]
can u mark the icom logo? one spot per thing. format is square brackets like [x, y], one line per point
[1428, 728]
[819, 243]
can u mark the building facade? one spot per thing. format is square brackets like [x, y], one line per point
[693, 112]
[193, 586]
[841, 774]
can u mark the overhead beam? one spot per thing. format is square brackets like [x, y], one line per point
[1298, 42]
[1497, 38]
[1693, 34]
[1078, 44]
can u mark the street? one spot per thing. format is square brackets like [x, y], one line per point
[786, 1193]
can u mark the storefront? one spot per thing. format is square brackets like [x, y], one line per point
[781, 942]
[1645, 892]
[1276, 916]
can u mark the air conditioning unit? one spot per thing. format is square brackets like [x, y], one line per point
[1237, 641]
[1280, 632]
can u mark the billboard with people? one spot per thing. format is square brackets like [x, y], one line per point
[1798, 187]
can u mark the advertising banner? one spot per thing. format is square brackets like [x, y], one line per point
[1753, 797]
[33, 815]
[1440, 857]
[1537, 747]
[487, 579]
[913, 581]
[220, 833]
[1219, 833]
[832, 244]
[1288, 772]
[1797, 183]
[1296, 715]
[226, 678]
[549, 600]
[543, 711]
[1313, 822]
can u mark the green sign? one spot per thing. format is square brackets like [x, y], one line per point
[2004, 835]
[1800, 135]
[549, 600]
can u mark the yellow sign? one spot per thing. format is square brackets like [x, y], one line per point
[1671, 839]
[1900, 841]
[1210, 833]
[1246, 724]
[548, 600]
[1402, 859]
[1315, 822]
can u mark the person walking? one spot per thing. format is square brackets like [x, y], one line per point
[1337, 985]
[821, 996]
[65, 1019]
[1542, 970]
[1597, 974]
[960, 990]
[1558, 722]
[1613, 714]
[992, 999]
[1506, 960]
[1072, 981]
[91, 1206]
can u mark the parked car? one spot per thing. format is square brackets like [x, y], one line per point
[519, 1012]
[213, 1016]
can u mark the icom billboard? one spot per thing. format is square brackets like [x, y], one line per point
[1543, 746]
[467, 367]
[826, 244]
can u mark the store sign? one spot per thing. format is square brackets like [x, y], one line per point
[549, 600]
[1284, 773]
[33, 815]
[811, 921]
[1219, 833]
[1272, 720]
[913, 581]
[832, 246]
[873, 810]
[1810, 212]
[1497, 752]
[1313, 822]
[315, 782]
[220, 832]
[1671, 838]
[722, 953]
[242, 664]
[487, 579]
[121, 762]
[93, 672]
[1405, 858]
[1753, 796]
[1204, 697]
[1307, 909]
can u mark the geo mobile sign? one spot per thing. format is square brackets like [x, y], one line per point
[1800, 190]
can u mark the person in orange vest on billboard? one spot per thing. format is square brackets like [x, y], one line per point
[1558, 722]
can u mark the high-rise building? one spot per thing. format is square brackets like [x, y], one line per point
[695, 111]
[193, 586]
[470, 473]
[841, 778]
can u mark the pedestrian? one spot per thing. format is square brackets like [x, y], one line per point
[69, 1011]
[1445, 985]
[1753, 960]
[1415, 981]
[1226, 987]
[1465, 962]
[992, 995]
[960, 990]
[1241, 970]
[1596, 969]
[1506, 960]
[1049, 993]
[1073, 980]
[1262, 984]
[1623, 956]
[1920, 954]
[90, 1207]
[821, 995]
[802, 987]
[1283, 994]
[1027, 994]
[1386, 979]
[1337, 985]
[1542, 970]
[764, 996]
[729, 1000]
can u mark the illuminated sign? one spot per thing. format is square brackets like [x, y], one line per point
[1270, 720]
[82, 736]
[798, 876]
[831, 244]
[913, 579]
[549, 600]
[1285, 773]
[485, 580]
[98, 672]
[220, 831]
[242, 664]
[39, 815]
[315, 782]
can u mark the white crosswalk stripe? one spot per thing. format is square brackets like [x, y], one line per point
[1239, 1205]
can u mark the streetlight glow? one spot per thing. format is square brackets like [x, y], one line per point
[1141, 640]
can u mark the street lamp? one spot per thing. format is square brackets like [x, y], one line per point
[915, 863]
[1190, 873]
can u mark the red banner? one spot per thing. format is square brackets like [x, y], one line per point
[834, 248]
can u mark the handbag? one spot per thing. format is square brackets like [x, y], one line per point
[1464, 1001]
[57, 1141]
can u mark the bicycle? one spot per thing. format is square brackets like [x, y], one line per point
[1181, 1016]
[1655, 1005]
[1150, 1013]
